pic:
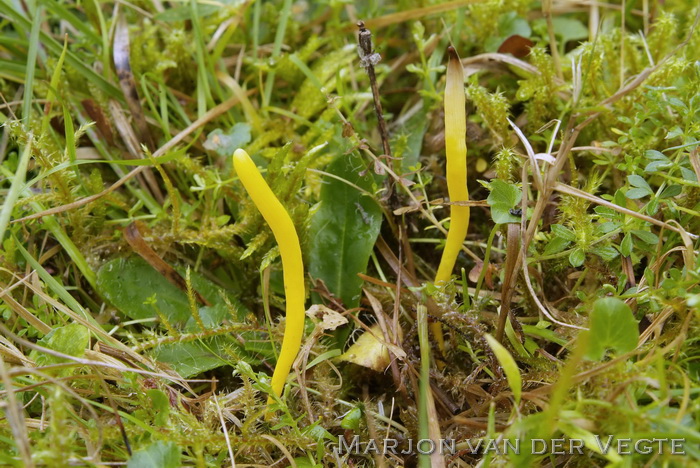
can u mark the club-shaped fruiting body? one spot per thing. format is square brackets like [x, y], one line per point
[456, 154]
[293, 269]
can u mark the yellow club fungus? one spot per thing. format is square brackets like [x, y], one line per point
[293, 269]
[456, 153]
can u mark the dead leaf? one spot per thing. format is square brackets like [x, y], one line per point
[516, 45]
[368, 351]
[330, 319]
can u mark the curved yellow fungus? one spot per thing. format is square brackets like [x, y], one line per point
[293, 269]
[456, 153]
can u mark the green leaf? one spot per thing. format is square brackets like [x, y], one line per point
[656, 155]
[626, 245]
[688, 174]
[509, 366]
[224, 144]
[503, 198]
[508, 24]
[675, 132]
[636, 193]
[545, 333]
[344, 229]
[192, 358]
[577, 257]
[72, 339]
[407, 140]
[646, 236]
[569, 29]
[657, 165]
[563, 232]
[157, 455]
[639, 182]
[607, 252]
[160, 404]
[352, 419]
[317, 432]
[612, 325]
[304, 462]
[127, 283]
[671, 191]
[556, 245]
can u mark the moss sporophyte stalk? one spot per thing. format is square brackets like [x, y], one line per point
[456, 170]
[293, 269]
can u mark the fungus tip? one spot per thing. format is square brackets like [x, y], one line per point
[240, 154]
[452, 53]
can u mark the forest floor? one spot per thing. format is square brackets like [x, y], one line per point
[142, 292]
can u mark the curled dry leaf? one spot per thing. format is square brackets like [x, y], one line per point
[371, 351]
[330, 319]
[517, 45]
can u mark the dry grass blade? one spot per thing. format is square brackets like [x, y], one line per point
[15, 417]
[12, 354]
[481, 59]
[194, 126]
[88, 362]
[531, 155]
[147, 178]
[689, 253]
[122, 64]
[19, 309]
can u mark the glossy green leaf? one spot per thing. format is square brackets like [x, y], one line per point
[72, 339]
[577, 257]
[671, 191]
[636, 193]
[344, 229]
[612, 325]
[503, 198]
[352, 419]
[508, 24]
[192, 358]
[157, 455]
[127, 283]
[160, 404]
[563, 232]
[556, 245]
[646, 236]
[569, 29]
[638, 181]
[606, 252]
[626, 245]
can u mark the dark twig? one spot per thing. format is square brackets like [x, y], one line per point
[368, 59]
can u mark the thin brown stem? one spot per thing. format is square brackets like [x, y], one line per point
[368, 58]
